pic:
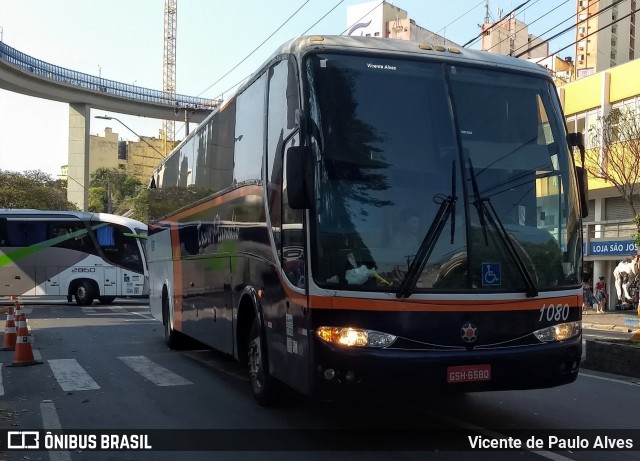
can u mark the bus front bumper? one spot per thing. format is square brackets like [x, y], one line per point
[525, 367]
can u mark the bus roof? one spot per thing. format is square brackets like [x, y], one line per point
[83, 215]
[391, 46]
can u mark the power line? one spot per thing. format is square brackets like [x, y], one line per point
[549, 30]
[495, 24]
[247, 76]
[562, 32]
[533, 22]
[303, 33]
[257, 47]
[504, 17]
[565, 30]
[461, 16]
[364, 16]
[591, 33]
[326, 14]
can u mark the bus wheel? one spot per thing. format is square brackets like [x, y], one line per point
[171, 337]
[84, 293]
[106, 299]
[264, 387]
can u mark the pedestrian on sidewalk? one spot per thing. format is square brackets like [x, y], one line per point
[601, 295]
[587, 295]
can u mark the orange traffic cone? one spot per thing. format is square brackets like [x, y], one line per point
[17, 308]
[9, 340]
[23, 353]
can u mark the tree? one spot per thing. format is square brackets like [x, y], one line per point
[33, 189]
[111, 190]
[618, 160]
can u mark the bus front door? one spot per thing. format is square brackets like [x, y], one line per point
[131, 283]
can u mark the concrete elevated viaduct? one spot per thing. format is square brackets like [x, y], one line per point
[24, 74]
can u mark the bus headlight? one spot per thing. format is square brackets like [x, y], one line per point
[355, 337]
[559, 332]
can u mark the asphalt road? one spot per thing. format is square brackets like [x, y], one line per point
[107, 368]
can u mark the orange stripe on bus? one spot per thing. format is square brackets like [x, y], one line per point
[216, 201]
[413, 305]
[424, 305]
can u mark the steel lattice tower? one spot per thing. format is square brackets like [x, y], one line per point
[169, 63]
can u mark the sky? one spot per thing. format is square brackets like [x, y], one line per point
[122, 40]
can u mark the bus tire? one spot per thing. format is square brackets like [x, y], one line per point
[265, 388]
[84, 292]
[172, 338]
[106, 299]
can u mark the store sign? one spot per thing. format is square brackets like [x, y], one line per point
[612, 248]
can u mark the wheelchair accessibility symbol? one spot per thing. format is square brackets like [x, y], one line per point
[491, 275]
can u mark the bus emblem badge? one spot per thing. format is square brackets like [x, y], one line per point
[469, 332]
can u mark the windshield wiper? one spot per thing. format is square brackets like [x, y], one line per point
[446, 210]
[484, 207]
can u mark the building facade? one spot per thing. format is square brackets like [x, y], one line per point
[382, 19]
[511, 37]
[605, 34]
[608, 228]
[138, 159]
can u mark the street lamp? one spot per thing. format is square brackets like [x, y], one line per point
[106, 117]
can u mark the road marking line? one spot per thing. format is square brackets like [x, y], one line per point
[155, 373]
[1, 386]
[613, 380]
[71, 376]
[88, 310]
[144, 316]
[51, 421]
[37, 356]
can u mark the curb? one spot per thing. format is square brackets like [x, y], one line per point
[612, 357]
[607, 327]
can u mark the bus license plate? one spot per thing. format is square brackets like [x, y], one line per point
[469, 373]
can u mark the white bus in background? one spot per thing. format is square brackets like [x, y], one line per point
[71, 254]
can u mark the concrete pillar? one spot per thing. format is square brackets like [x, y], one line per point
[78, 183]
[605, 106]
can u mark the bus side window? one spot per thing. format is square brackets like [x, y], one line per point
[119, 248]
[76, 236]
[26, 233]
[286, 223]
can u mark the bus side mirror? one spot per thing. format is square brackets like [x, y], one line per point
[299, 180]
[577, 140]
[583, 188]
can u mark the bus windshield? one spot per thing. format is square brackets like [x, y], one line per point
[489, 145]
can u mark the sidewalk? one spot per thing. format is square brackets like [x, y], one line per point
[621, 321]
